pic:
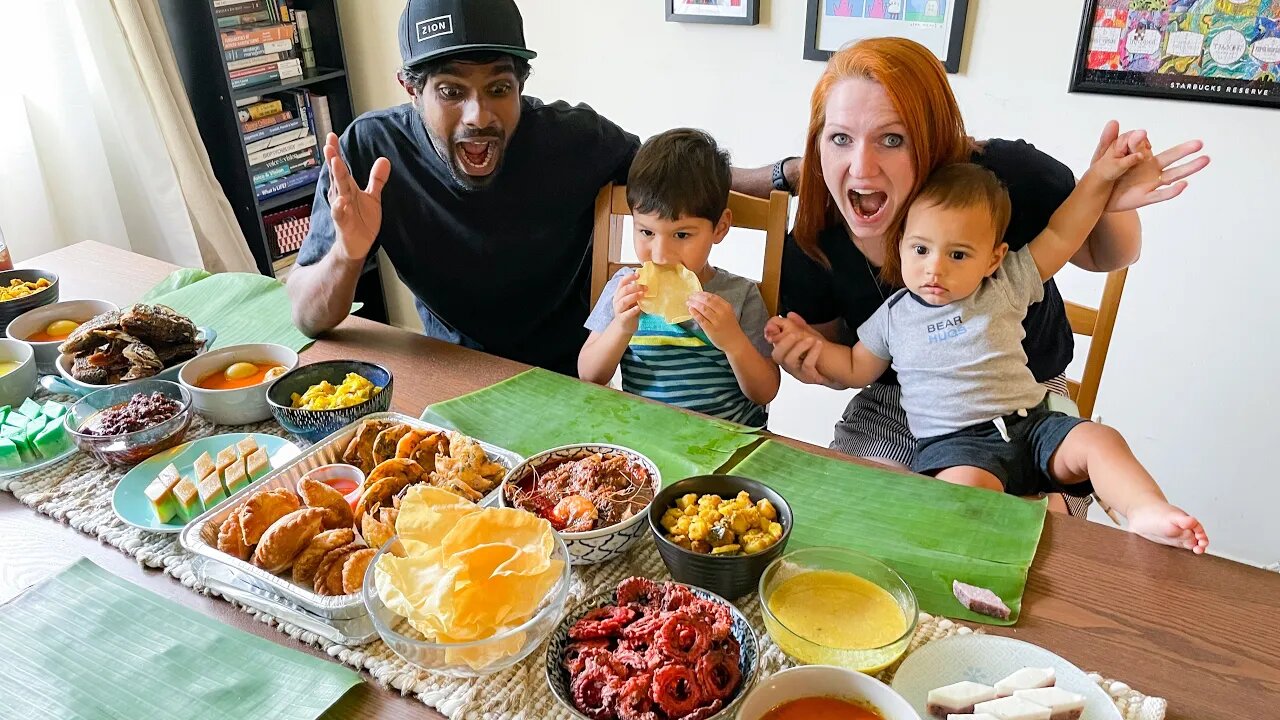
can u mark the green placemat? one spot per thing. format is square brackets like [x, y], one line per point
[87, 644]
[538, 409]
[241, 307]
[931, 532]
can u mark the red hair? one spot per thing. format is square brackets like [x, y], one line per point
[917, 86]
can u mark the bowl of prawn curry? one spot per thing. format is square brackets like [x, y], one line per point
[596, 496]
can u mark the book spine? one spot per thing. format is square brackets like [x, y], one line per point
[289, 182]
[324, 121]
[272, 130]
[276, 140]
[231, 21]
[238, 38]
[251, 62]
[249, 126]
[282, 160]
[260, 110]
[285, 68]
[282, 150]
[304, 39]
[259, 79]
[259, 50]
[286, 169]
[235, 7]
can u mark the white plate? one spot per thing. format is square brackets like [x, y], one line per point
[205, 337]
[988, 659]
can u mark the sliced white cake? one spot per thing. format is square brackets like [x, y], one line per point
[975, 716]
[1013, 708]
[958, 698]
[1063, 705]
[1026, 679]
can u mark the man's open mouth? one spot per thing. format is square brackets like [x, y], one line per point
[477, 157]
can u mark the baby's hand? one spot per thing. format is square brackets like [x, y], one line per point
[626, 303]
[779, 328]
[1125, 153]
[717, 319]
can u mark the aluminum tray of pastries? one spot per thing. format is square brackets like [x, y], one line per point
[465, 462]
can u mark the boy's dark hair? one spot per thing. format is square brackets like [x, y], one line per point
[416, 76]
[680, 173]
[966, 185]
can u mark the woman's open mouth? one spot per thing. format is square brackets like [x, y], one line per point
[477, 158]
[868, 205]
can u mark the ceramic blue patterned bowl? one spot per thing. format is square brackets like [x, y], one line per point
[601, 544]
[558, 677]
[314, 425]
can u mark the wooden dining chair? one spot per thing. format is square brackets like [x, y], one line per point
[1097, 324]
[748, 212]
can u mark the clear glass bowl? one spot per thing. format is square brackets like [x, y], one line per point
[814, 651]
[478, 657]
[133, 447]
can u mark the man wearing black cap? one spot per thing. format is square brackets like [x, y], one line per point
[481, 196]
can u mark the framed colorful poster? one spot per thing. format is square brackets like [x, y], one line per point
[936, 24]
[1210, 50]
[724, 12]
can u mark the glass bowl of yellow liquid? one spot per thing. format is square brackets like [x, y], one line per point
[830, 606]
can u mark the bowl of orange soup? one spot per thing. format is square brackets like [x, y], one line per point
[824, 692]
[228, 386]
[45, 327]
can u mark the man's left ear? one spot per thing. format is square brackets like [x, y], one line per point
[722, 227]
[997, 257]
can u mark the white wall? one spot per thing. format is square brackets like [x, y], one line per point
[1185, 380]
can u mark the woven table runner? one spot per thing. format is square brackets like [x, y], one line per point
[78, 492]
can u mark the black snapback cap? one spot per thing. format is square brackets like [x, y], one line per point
[432, 29]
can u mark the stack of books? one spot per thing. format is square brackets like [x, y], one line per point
[263, 41]
[283, 134]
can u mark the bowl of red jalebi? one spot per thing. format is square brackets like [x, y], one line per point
[652, 650]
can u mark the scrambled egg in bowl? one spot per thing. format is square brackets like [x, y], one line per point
[354, 390]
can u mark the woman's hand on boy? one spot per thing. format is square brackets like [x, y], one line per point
[718, 320]
[796, 348]
[626, 303]
[1155, 179]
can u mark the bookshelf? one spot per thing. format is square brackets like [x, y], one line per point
[195, 34]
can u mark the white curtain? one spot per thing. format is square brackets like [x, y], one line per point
[97, 139]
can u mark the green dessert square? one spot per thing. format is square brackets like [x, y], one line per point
[257, 464]
[188, 499]
[235, 477]
[53, 410]
[17, 420]
[33, 429]
[4, 412]
[204, 467]
[160, 494]
[53, 440]
[30, 408]
[8, 431]
[211, 490]
[10, 458]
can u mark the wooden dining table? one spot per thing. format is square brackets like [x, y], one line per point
[1201, 631]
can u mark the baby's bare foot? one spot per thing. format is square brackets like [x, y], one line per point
[1169, 525]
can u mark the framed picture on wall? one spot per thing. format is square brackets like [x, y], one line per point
[724, 12]
[1209, 50]
[936, 24]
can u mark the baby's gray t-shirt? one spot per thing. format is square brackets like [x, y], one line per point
[962, 363]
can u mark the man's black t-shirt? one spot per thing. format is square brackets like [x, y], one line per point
[851, 290]
[505, 269]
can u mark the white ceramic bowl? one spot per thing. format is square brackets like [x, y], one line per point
[17, 384]
[239, 406]
[602, 544]
[34, 321]
[824, 681]
[205, 337]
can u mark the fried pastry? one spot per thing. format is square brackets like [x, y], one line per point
[308, 561]
[385, 481]
[231, 538]
[384, 445]
[328, 580]
[262, 509]
[359, 451]
[286, 537]
[377, 532]
[421, 447]
[353, 569]
[317, 494]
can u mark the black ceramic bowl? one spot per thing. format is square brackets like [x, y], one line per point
[10, 309]
[315, 425]
[730, 576]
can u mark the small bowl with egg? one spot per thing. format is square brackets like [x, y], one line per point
[24, 289]
[831, 606]
[17, 372]
[824, 692]
[228, 386]
[45, 327]
[312, 401]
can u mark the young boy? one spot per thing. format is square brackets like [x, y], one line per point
[954, 336]
[718, 363]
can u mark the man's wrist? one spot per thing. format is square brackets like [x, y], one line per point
[786, 175]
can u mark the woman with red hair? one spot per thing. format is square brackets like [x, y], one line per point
[883, 118]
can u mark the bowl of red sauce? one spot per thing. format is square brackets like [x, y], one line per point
[346, 479]
[824, 692]
[228, 386]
